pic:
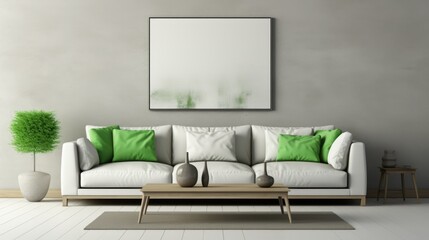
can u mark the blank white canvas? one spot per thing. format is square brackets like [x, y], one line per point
[210, 63]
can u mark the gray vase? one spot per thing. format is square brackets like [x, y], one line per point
[389, 159]
[205, 176]
[265, 181]
[187, 174]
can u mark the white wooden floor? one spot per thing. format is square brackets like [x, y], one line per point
[20, 219]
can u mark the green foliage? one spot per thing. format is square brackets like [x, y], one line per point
[186, 101]
[162, 95]
[241, 100]
[35, 131]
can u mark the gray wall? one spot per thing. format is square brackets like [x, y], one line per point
[361, 65]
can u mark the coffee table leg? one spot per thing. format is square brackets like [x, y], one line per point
[288, 208]
[147, 204]
[142, 208]
[281, 204]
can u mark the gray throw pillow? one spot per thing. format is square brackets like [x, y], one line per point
[88, 156]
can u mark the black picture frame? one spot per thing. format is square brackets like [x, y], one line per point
[157, 66]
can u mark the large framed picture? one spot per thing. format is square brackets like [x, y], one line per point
[209, 63]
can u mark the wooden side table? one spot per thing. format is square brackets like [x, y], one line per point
[402, 170]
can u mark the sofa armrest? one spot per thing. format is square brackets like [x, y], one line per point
[357, 169]
[70, 170]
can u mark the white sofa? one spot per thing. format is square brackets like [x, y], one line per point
[125, 179]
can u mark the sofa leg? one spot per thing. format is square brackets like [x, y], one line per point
[65, 201]
[363, 201]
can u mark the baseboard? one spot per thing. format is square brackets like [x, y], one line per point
[397, 193]
[16, 193]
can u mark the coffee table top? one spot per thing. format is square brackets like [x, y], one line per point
[213, 188]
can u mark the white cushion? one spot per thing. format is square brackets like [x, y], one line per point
[242, 141]
[126, 174]
[337, 155]
[162, 140]
[272, 140]
[222, 172]
[258, 139]
[211, 146]
[304, 174]
[88, 155]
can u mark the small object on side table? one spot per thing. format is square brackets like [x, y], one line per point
[265, 181]
[402, 170]
[389, 159]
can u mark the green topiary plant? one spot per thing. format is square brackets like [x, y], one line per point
[35, 132]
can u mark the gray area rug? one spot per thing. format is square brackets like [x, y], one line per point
[219, 221]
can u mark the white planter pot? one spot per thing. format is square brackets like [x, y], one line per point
[34, 185]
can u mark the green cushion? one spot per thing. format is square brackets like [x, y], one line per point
[298, 148]
[328, 137]
[102, 140]
[131, 145]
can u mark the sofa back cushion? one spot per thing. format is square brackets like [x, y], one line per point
[339, 151]
[88, 155]
[258, 137]
[211, 146]
[242, 141]
[272, 140]
[327, 138]
[134, 145]
[162, 140]
[299, 148]
[102, 139]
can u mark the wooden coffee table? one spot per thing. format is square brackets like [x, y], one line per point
[225, 191]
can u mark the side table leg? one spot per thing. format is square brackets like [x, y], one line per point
[386, 180]
[379, 184]
[403, 188]
[286, 198]
[415, 186]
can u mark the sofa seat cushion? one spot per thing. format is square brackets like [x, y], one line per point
[304, 174]
[126, 174]
[222, 172]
